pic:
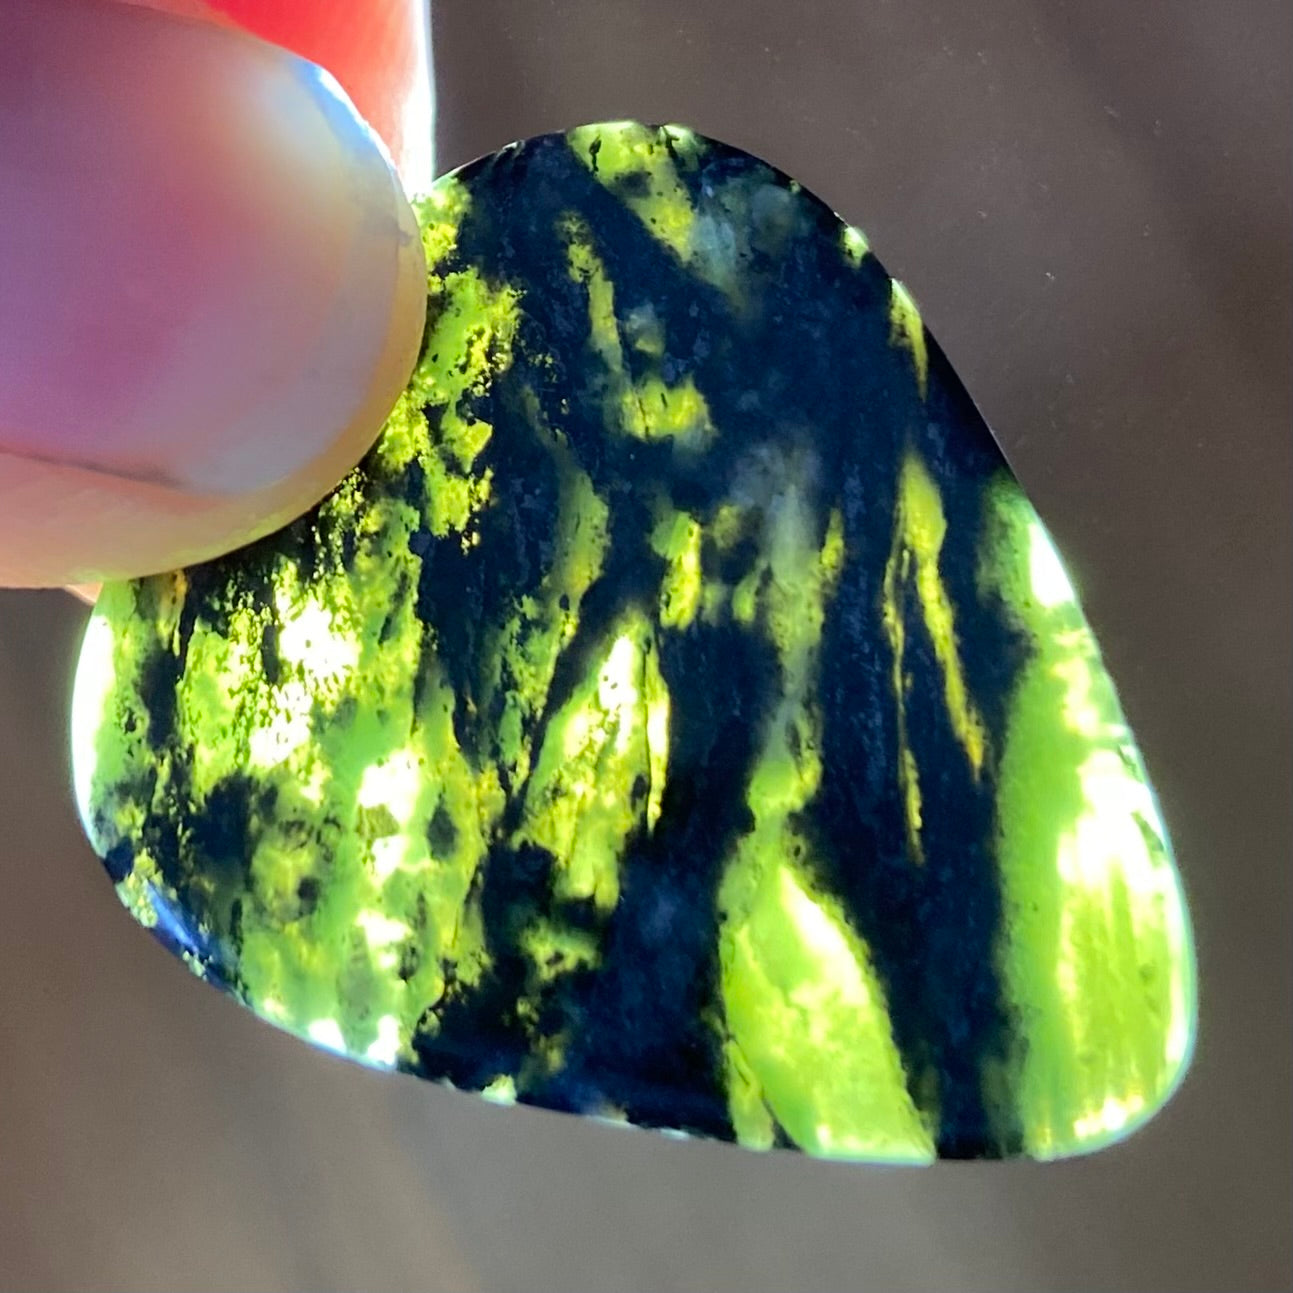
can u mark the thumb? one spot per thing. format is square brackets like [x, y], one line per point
[211, 289]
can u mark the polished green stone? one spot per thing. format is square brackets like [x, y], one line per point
[681, 716]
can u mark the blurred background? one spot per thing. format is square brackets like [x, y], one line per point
[1091, 203]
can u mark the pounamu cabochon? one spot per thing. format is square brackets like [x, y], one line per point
[680, 717]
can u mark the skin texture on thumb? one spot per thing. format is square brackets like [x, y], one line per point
[211, 289]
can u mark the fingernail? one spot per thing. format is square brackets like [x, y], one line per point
[337, 259]
[207, 257]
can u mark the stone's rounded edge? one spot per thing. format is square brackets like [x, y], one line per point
[1135, 1123]
[855, 243]
[1185, 966]
[1178, 1073]
[1167, 938]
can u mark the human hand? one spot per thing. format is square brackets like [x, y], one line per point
[212, 287]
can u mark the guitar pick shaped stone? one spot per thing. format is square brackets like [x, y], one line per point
[681, 716]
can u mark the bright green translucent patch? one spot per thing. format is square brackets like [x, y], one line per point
[811, 1030]
[1096, 948]
[605, 740]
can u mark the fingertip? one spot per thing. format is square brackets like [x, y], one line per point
[211, 310]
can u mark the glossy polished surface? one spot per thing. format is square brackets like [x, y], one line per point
[1094, 205]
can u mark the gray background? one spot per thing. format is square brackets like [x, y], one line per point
[1091, 202]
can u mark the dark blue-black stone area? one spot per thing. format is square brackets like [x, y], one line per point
[793, 348]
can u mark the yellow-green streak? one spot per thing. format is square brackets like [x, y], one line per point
[579, 800]
[677, 538]
[854, 244]
[714, 230]
[616, 150]
[920, 528]
[523, 651]
[648, 408]
[906, 329]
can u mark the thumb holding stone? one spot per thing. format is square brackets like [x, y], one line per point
[211, 289]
